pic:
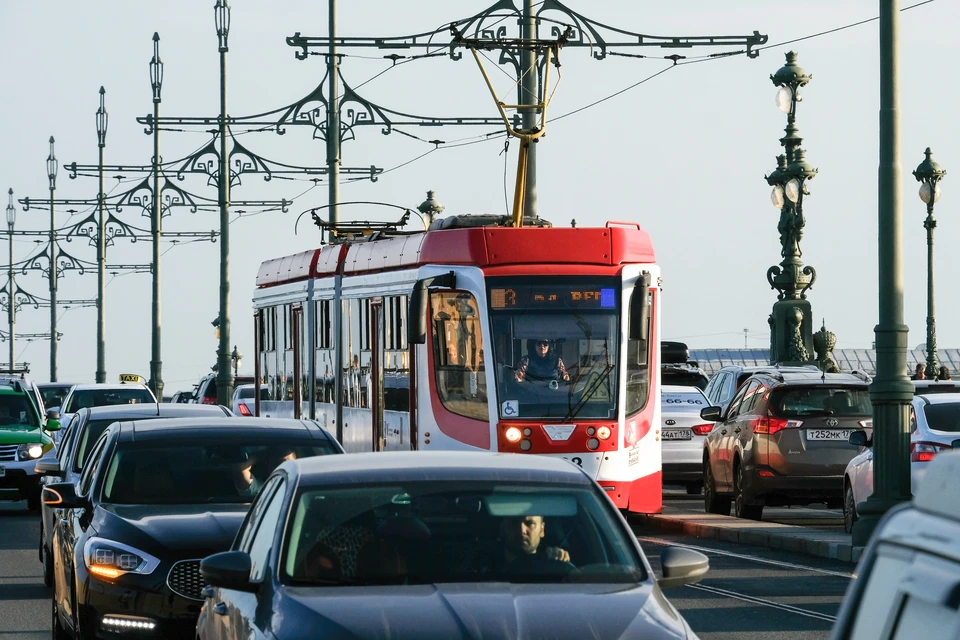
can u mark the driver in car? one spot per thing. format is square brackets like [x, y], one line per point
[541, 363]
[519, 551]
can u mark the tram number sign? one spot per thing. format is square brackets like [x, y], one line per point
[552, 297]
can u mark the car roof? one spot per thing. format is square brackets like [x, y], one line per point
[163, 428]
[937, 492]
[452, 466]
[811, 377]
[109, 386]
[47, 385]
[939, 398]
[677, 388]
[152, 409]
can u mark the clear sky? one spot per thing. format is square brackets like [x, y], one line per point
[683, 154]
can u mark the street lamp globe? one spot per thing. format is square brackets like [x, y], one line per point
[236, 357]
[52, 166]
[929, 174]
[929, 193]
[784, 98]
[11, 212]
[776, 196]
[792, 190]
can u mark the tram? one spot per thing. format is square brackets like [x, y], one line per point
[472, 335]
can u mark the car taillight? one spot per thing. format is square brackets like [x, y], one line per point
[243, 410]
[924, 451]
[772, 425]
[209, 400]
[865, 424]
[702, 429]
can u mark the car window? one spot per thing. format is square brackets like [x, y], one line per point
[752, 397]
[96, 455]
[265, 531]
[477, 532]
[943, 417]
[86, 438]
[16, 409]
[878, 598]
[734, 409]
[107, 397]
[799, 402]
[260, 503]
[727, 390]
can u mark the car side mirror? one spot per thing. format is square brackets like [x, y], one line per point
[63, 495]
[50, 469]
[859, 439]
[228, 570]
[956, 444]
[682, 566]
[53, 420]
[711, 414]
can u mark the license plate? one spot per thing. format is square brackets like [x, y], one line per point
[677, 434]
[3, 472]
[828, 434]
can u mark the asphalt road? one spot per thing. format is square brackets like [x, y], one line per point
[814, 515]
[750, 593]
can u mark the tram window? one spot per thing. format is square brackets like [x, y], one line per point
[323, 325]
[638, 370]
[458, 354]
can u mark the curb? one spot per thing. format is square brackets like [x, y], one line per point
[823, 544]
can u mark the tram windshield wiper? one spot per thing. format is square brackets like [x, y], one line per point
[588, 392]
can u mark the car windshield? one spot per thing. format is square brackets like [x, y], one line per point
[682, 401]
[81, 398]
[431, 532]
[556, 346]
[231, 470]
[87, 437]
[798, 402]
[943, 417]
[16, 410]
[53, 395]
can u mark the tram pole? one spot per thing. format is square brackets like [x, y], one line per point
[528, 96]
[101, 121]
[333, 125]
[156, 221]
[52, 175]
[225, 378]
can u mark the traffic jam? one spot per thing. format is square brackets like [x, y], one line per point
[471, 470]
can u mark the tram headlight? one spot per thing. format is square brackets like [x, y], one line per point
[513, 435]
[603, 433]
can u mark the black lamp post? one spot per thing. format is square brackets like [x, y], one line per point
[52, 176]
[156, 84]
[101, 120]
[929, 174]
[224, 378]
[12, 286]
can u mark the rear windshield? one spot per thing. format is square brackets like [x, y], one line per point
[106, 397]
[53, 396]
[247, 392]
[798, 402]
[684, 401]
[683, 378]
[943, 417]
[231, 470]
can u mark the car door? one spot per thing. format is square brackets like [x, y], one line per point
[233, 614]
[723, 471]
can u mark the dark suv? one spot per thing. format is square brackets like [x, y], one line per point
[726, 382]
[783, 440]
[678, 369]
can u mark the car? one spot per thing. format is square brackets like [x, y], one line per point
[25, 438]
[934, 425]
[101, 395]
[19, 376]
[927, 387]
[439, 545]
[243, 398]
[156, 497]
[682, 434]
[678, 369]
[906, 582]
[725, 383]
[206, 392]
[53, 393]
[181, 397]
[783, 440]
[82, 432]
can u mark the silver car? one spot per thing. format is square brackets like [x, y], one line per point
[682, 433]
[934, 425]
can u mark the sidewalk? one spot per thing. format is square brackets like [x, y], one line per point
[811, 540]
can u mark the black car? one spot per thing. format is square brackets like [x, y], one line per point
[155, 497]
[438, 545]
[83, 430]
[677, 369]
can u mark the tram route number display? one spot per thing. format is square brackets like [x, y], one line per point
[550, 297]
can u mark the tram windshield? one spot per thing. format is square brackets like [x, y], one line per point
[556, 345]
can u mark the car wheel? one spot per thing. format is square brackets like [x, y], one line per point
[849, 508]
[740, 506]
[712, 503]
[58, 632]
[694, 489]
[47, 567]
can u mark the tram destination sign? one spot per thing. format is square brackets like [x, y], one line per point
[562, 296]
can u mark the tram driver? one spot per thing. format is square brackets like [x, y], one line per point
[542, 362]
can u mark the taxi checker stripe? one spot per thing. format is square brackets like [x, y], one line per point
[767, 603]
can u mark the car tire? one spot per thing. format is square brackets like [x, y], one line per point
[57, 630]
[849, 508]
[47, 567]
[712, 503]
[694, 489]
[740, 507]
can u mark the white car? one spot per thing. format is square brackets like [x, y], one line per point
[934, 425]
[682, 433]
[244, 400]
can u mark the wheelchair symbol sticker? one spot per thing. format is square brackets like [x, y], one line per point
[510, 409]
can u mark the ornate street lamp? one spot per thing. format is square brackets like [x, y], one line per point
[12, 286]
[235, 358]
[54, 336]
[101, 120]
[156, 221]
[224, 378]
[929, 174]
[430, 207]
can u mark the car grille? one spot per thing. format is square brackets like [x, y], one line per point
[184, 579]
[8, 452]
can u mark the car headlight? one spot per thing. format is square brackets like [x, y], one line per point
[109, 560]
[30, 451]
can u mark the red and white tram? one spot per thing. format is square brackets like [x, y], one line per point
[430, 341]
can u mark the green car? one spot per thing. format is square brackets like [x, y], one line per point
[24, 440]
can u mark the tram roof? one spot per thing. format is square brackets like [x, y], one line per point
[478, 246]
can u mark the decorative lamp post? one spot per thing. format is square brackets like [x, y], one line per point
[791, 322]
[929, 174]
[430, 207]
[156, 221]
[101, 120]
[235, 357]
[54, 336]
[224, 378]
[12, 286]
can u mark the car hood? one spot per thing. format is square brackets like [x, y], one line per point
[194, 530]
[21, 434]
[475, 611]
